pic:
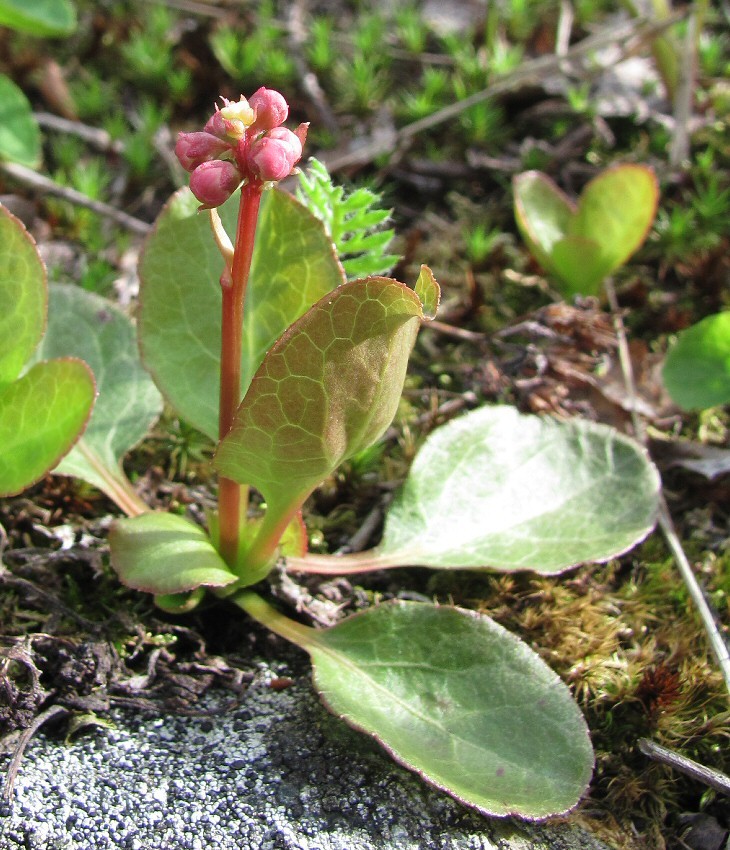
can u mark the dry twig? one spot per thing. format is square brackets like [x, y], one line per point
[36, 181]
[629, 34]
[713, 778]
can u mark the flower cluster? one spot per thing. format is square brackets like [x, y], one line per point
[242, 141]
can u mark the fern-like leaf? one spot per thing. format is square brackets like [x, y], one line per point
[353, 221]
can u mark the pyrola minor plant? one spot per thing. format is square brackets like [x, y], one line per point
[252, 332]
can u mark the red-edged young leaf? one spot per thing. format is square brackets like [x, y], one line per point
[328, 389]
[581, 244]
[543, 213]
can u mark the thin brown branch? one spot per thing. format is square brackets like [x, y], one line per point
[712, 778]
[96, 137]
[308, 79]
[717, 643]
[629, 34]
[453, 331]
[34, 180]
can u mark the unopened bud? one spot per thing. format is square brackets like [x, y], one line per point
[214, 182]
[216, 125]
[270, 107]
[273, 156]
[192, 149]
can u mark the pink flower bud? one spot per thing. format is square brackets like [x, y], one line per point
[270, 107]
[214, 182]
[273, 156]
[192, 149]
[216, 125]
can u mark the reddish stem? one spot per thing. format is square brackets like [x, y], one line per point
[234, 294]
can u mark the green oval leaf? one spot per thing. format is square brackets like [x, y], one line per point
[582, 244]
[616, 210]
[455, 697]
[294, 264]
[697, 369]
[165, 554]
[501, 490]
[85, 325]
[20, 137]
[327, 389]
[41, 416]
[39, 17]
[22, 296]
[543, 213]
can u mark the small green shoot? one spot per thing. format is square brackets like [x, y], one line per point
[581, 244]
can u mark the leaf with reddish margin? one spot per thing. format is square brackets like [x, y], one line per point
[44, 411]
[23, 297]
[294, 264]
[453, 696]
[582, 244]
[328, 389]
[165, 554]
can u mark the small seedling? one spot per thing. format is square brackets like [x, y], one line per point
[256, 338]
[581, 244]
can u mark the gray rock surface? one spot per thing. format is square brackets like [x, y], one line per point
[274, 772]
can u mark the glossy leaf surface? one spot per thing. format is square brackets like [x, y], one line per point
[498, 489]
[455, 697]
[697, 369]
[164, 554]
[22, 297]
[39, 17]
[85, 325]
[327, 389]
[43, 412]
[20, 138]
[41, 417]
[294, 264]
[582, 244]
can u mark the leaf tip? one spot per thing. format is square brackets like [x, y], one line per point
[429, 292]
